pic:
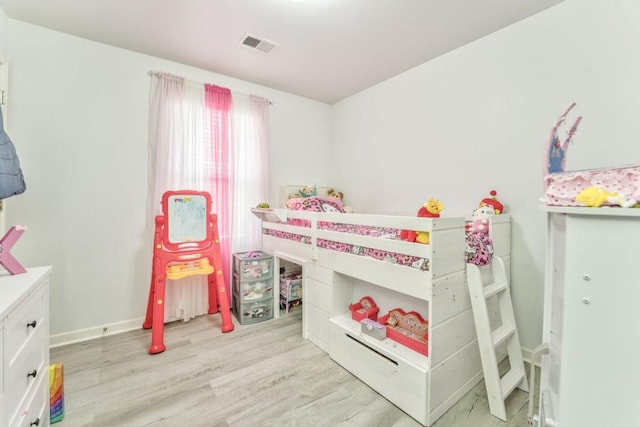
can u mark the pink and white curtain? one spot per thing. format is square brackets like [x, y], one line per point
[207, 138]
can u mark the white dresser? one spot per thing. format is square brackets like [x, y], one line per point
[591, 323]
[24, 340]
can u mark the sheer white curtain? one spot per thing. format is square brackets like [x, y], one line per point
[251, 148]
[185, 153]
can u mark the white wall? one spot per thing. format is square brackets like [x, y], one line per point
[79, 122]
[4, 23]
[454, 128]
[478, 119]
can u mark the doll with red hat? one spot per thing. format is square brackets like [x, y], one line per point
[480, 218]
[498, 208]
[479, 246]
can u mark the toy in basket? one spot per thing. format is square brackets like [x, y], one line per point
[409, 329]
[366, 308]
[590, 187]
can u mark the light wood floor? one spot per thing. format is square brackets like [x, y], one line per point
[263, 374]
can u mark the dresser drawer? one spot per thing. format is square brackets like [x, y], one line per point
[23, 322]
[320, 274]
[318, 294]
[26, 370]
[24, 347]
[317, 322]
[35, 410]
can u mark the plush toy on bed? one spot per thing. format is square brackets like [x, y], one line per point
[340, 196]
[479, 246]
[493, 202]
[480, 220]
[308, 191]
[337, 194]
[431, 209]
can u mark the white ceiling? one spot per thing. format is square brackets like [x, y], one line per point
[329, 49]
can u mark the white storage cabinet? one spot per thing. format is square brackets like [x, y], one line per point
[591, 323]
[24, 340]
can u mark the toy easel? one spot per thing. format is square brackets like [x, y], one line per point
[6, 243]
[186, 243]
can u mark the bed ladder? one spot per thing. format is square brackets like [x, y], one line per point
[498, 387]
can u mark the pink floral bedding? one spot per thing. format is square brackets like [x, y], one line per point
[378, 232]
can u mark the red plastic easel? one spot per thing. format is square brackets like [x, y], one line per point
[186, 243]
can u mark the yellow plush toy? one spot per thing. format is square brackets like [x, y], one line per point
[431, 209]
[596, 196]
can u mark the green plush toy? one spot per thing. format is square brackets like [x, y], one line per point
[308, 191]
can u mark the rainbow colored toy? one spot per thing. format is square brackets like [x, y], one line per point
[56, 392]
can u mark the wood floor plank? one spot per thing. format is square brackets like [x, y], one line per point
[263, 374]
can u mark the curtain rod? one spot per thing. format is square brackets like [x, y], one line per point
[161, 73]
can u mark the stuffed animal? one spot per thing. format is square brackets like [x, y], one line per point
[596, 196]
[340, 196]
[480, 220]
[431, 209]
[492, 202]
[333, 193]
[308, 191]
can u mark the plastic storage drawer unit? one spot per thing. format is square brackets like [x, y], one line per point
[252, 290]
[253, 265]
[253, 312]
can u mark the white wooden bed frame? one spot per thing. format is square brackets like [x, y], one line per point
[425, 387]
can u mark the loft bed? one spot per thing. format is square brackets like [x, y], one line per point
[346, 256]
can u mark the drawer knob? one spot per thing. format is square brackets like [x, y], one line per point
[35, 423]
[32, 373]
[31, 324]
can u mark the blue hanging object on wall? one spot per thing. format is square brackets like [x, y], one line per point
[11, 178]
[556, 149]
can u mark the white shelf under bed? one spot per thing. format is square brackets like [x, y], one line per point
[387, 347]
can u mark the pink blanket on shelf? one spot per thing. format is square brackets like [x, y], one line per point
[562, 188]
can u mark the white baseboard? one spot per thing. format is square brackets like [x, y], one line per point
[130, 325]
[95, 332]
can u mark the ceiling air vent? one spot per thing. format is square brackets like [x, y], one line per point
[259, 43]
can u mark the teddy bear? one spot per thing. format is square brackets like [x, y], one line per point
[340, 196]
[431, 209]
[337, 194]
[308, 191]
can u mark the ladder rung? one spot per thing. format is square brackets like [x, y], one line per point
[493, 289]
[511, 380]
[502, 333]
[498, 387]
